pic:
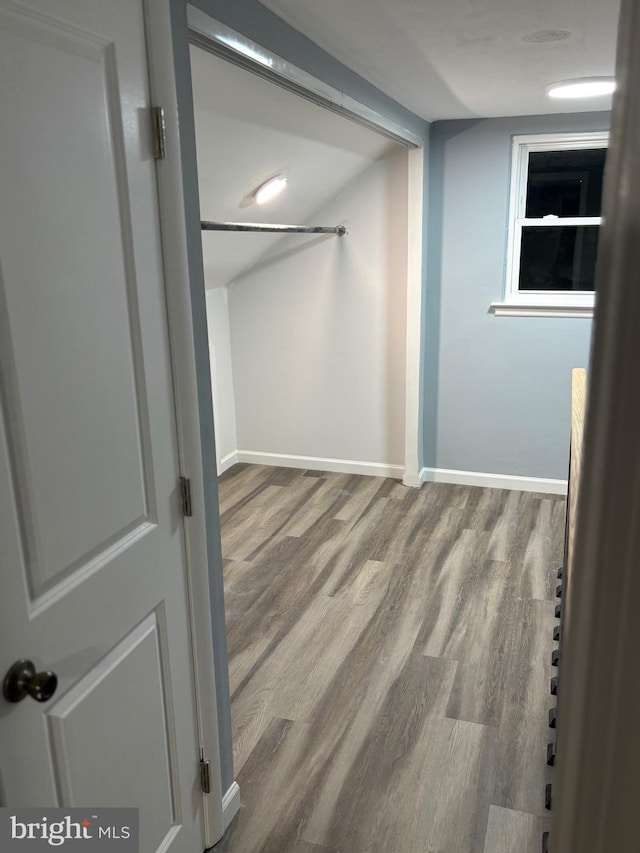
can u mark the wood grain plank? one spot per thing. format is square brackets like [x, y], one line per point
[515, 767]
[266, 782]
[378, 751]
[455, 594]
[356, 493]
[271, 594]
[369, 584]
[425, 755]
[390, 660]
[325, 501]
[509, 831]
[342, 557]
[237, 484]
[277, 843]
[505, 667]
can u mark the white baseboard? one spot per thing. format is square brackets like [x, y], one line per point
[320, 463]
[230, 804]
[413, 479]
[493, 481]
[397, 472]
[227, 461]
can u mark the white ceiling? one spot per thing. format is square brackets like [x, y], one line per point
[448, 59]
[248, 130]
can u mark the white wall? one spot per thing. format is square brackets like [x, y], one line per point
[318, 332]
[224, 406]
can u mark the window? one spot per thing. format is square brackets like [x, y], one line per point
[554, 219]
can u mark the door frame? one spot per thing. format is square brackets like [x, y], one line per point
[595, 791]
[190, 409]
[168, 45]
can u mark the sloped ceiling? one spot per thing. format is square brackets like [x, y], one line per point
[447, 59]
[248, 130]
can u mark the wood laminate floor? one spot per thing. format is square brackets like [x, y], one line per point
[390, 658]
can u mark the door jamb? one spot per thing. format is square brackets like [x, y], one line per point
[413, 405]
[595, 791]
[187, 400]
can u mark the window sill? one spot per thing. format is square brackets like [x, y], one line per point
[530, 309]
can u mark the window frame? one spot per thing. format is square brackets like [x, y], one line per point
[518, 302]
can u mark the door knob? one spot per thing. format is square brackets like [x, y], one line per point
[23, 680]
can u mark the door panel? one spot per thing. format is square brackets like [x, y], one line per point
[68, 283]
[136, 737]
[94, 580]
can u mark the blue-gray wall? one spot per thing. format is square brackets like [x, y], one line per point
[496, 389]
[257, 23]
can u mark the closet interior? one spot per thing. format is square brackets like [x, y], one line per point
[307, 325]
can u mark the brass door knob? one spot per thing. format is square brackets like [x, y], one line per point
[23, 680]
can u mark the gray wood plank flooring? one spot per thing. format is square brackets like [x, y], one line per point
[389, 656]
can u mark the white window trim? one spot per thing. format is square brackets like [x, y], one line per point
[541, 303]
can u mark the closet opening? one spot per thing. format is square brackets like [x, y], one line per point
[308, 342]
[307, 331]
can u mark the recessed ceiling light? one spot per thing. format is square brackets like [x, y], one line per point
[270, 189]
[583, 87]
[541, 36]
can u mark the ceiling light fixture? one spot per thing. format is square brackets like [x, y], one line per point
[270, 189]
[583, 87]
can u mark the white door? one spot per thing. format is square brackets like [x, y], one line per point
[94, 584]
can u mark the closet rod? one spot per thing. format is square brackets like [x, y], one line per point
[340, 230]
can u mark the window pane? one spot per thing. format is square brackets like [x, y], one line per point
[558, 257]
[565, 183]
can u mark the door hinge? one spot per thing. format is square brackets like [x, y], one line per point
[205, 776]
[185, 491]
[159, 133]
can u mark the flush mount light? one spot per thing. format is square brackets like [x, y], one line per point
[270, 189]
[583, 87]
